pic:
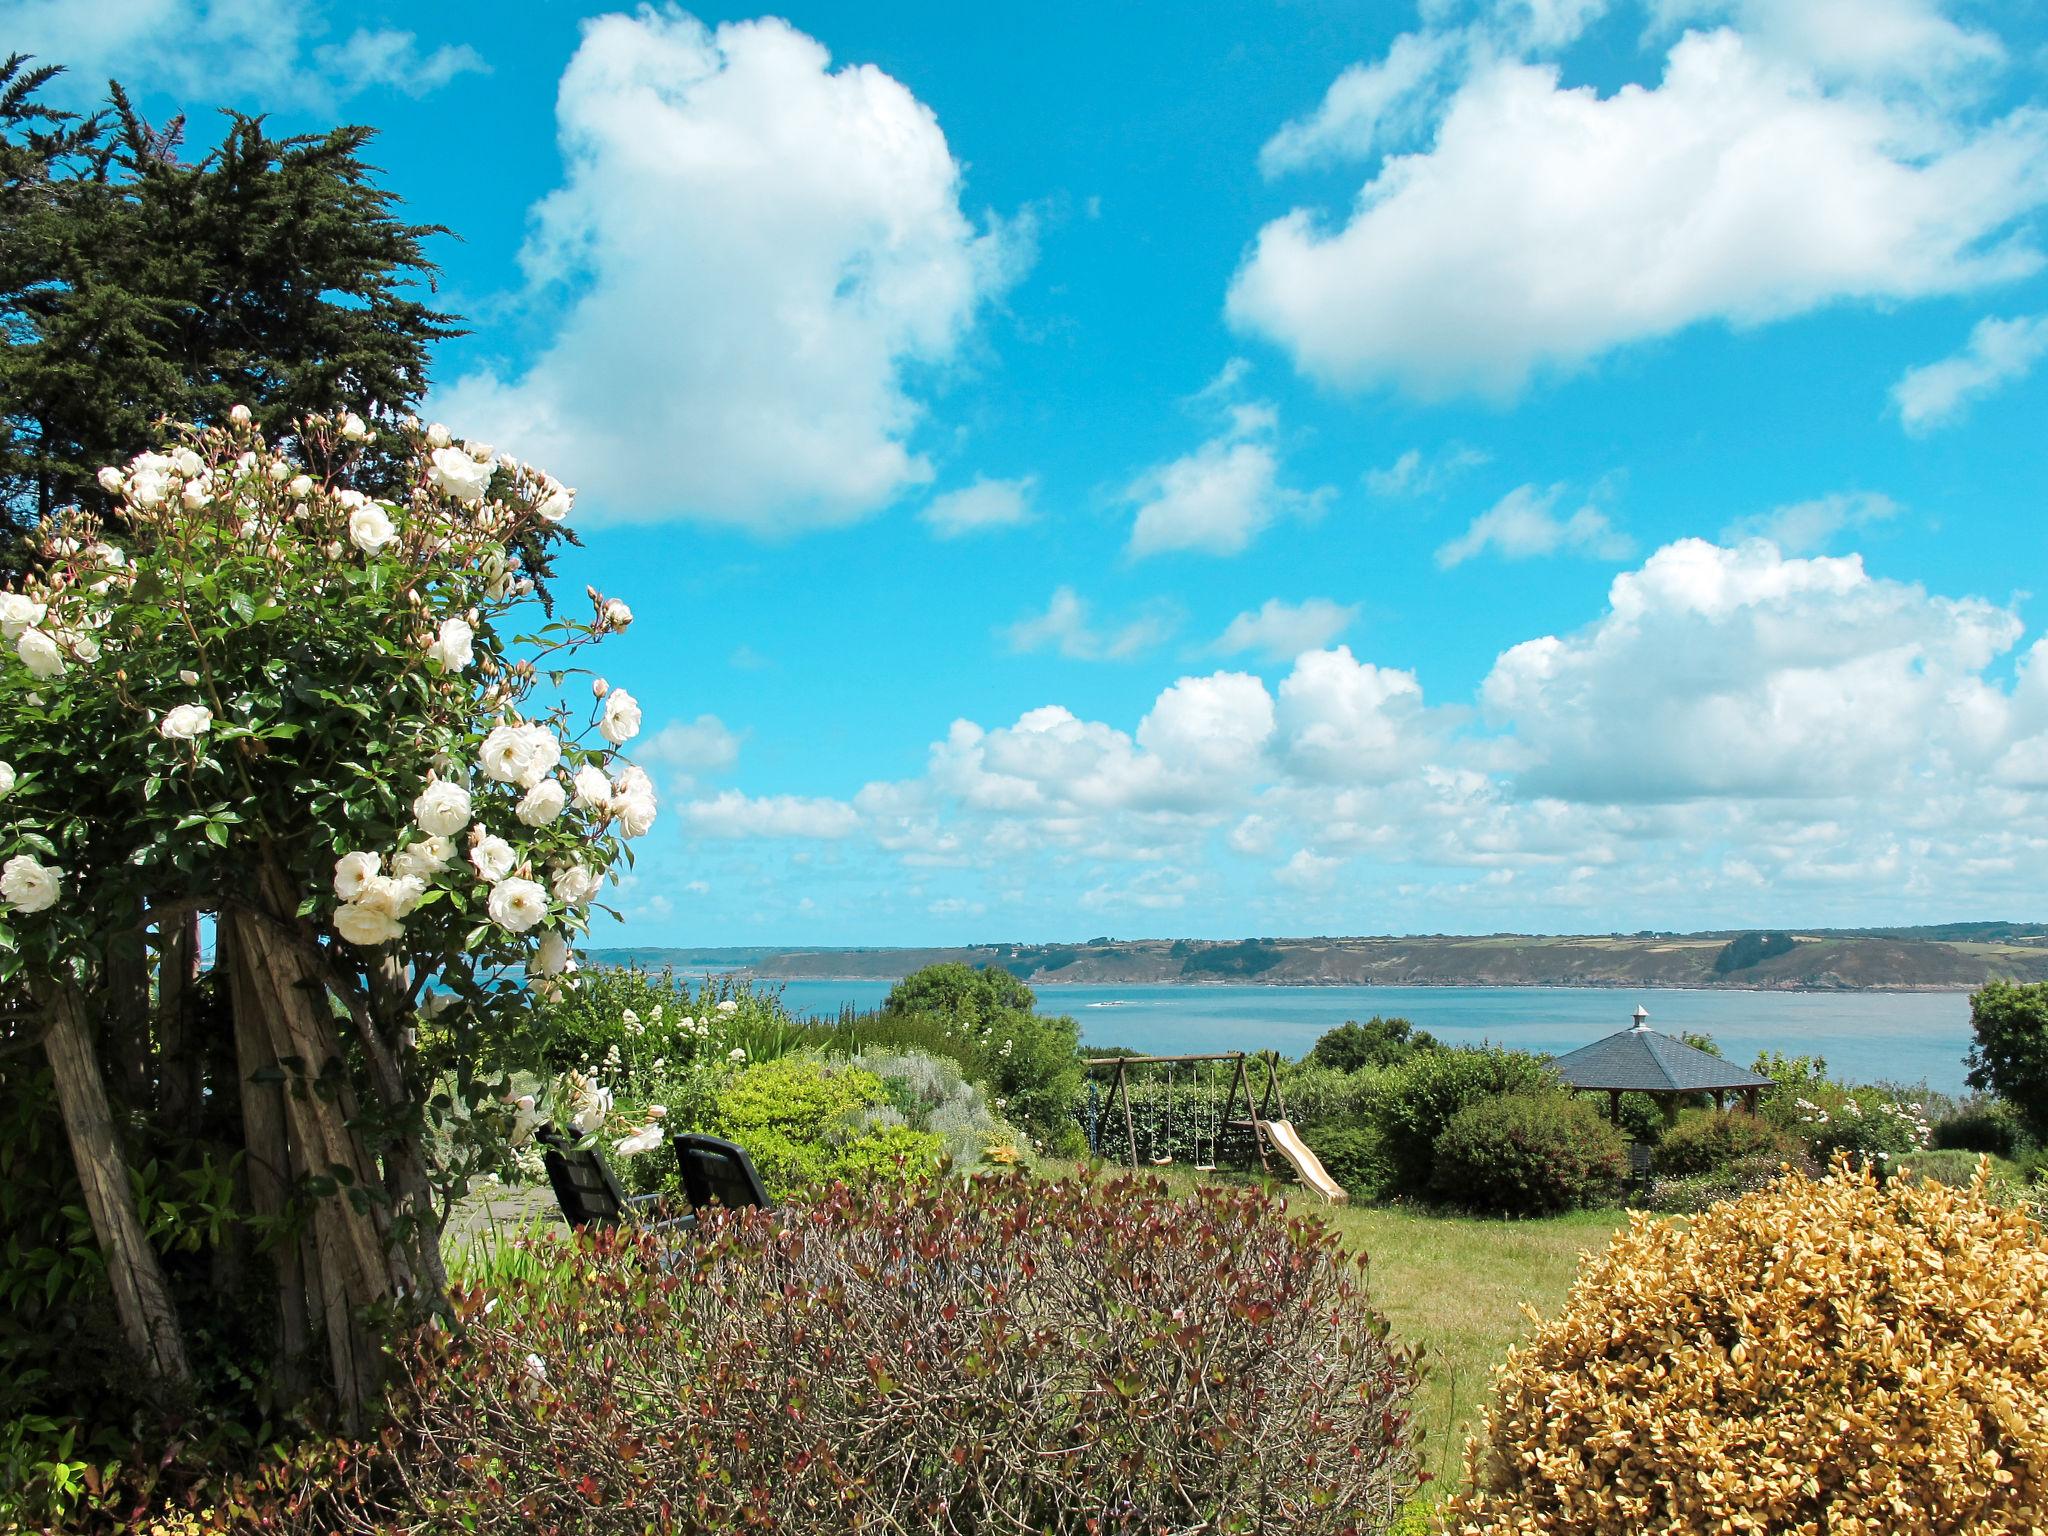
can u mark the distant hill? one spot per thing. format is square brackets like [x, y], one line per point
[1947, 957]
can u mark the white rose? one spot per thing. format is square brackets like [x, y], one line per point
[393, 895]
[423, 860]
[29, 885]
[646, 1139]
[621, 722]
[632, 780]
[543, 751]
[188, 462]
[18, 613]
[552, 957]
[451, 647]
[542, 803]
[459, 474]
[189, 678]
[636, 814]
[493, 858]
[507, 753]
[111, 480]
[353, 429]
[148, 479]
[185, 722]
[240, 415]
[575, 885]
[353, 873]
[437, 435]
[556, 504]
[369, 529]
[516, 905]
[442, 809]
[593, 790]
[617, 614]
[6, 780]
[39, 654]
[366, 926]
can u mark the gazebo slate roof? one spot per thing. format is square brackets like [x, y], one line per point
[1643, 1061]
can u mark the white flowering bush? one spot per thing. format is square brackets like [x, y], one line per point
[300, 700]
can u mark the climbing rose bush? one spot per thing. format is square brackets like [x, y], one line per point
[301, 680]
[1828, 1355]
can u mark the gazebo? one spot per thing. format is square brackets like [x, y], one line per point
[1639, 1060]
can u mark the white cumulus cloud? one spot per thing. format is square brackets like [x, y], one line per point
[1220, 497]
[1780, 164]
[1524, 524]
[1998, 353]
[700, 745]
[735, 815]
[1279, 630]
[979, 507]
[750, 248]
[1065, 627]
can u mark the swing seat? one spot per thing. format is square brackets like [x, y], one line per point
[1161, 1162]
[1205, 1167]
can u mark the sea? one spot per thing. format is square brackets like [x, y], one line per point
[1915, 1038]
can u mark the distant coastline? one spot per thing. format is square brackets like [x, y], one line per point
[1939, 958]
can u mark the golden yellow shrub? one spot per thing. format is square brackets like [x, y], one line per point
[1823, 1356]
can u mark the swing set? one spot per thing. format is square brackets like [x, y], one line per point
[1271, 1132]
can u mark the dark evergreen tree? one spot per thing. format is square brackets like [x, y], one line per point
[137, 286]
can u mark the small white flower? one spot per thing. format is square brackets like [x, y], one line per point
[353, 429]
[353, 873]
[29, 885]
[39, 654]
[575, 885]
[599, 687]
[593, 789]
[536, 1368]
[729, 1005]
[557, 503]
[370, 529]
[188, 463]
[437, 436]
[552, 956]
[516, 905]
[365, 926]
[493, 858]
[6, 779]
[636, 814]
[646, 1139]
[458, 473]
[239, 415]
[423, 860]
[657, 1111]
[442, 808]
[452, 647]
[189, 678]
[393, 895]
[17, 613]
[185, 722]
[542, 803]
[736, 1055]
[617, 614]
[111, 480]
[621, 720]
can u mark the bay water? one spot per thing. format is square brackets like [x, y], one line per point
[1895, 1037]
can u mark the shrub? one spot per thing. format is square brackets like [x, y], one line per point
[2010, 1056]
[1824, 1355]
[1416, 1100]
[994, 1355]
[1320, 1095]
[1982, 1125]
[1351, 1155]
[1528, 1154]
[1684, 1194]
[1703, 1140]
[1376, 1043]
[802, 1123]
[932, 1096]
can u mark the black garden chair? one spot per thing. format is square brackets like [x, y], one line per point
[718, 1174]
[589, 1192]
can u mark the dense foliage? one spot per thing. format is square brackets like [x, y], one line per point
[1528, 1154]
[2010, 1057]
[137, 284]
[1750, 949]
[994, 1356]
[1419, 1099]
[1832, 1355]
[1378, 1042]
[1702, 1140]
[805, 1123]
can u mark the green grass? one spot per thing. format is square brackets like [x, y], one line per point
[1456, 1285]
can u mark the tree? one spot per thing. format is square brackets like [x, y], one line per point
[966, 996]
[2010, 1057]
[273, 274]
[1376, 1043]
[307, 711]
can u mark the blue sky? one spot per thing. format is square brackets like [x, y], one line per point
[1276, 468]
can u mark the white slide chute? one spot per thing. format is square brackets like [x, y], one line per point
[1307, 1166]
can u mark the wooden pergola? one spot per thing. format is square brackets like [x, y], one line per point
[1640, 1060]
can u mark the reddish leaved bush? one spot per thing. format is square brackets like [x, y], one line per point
[996, 1355]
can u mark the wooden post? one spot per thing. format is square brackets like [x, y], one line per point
[180, 1059]
[142, 1300]
[1614, 1105]
[1123, 1086]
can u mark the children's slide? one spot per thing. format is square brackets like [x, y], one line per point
[1307, 1166]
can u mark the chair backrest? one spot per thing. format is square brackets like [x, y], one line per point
[585, 1186]
[717, 1173]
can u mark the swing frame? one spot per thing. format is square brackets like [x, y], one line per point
[1257, 1111]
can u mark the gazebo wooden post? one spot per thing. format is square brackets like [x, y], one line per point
[1749, 1098]
[1721, 1100]
[1614, 1105]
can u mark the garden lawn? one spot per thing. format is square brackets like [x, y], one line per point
[1456, 1285]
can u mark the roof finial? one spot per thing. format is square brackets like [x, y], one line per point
[1642, 1017]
